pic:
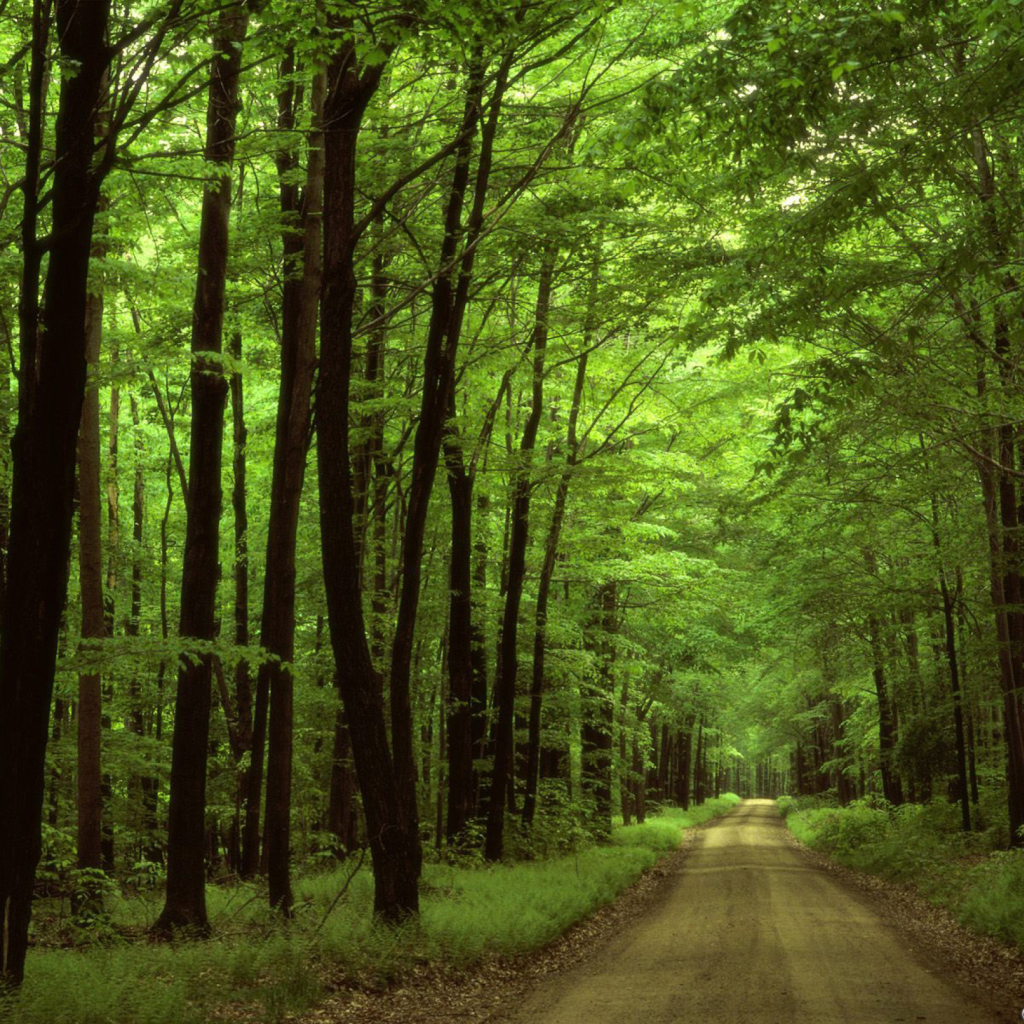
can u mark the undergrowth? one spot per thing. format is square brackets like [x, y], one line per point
[969, 873]
[262, 969]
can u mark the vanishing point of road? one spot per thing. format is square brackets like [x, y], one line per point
[751, 929]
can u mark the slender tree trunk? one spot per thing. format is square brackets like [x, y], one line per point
[478, 642]
[51, 390]
[185, 905]
[685, 750]
[240, 721]
[298, 359]
[891, 787]
[460, 658]
[1001, 512]
[109, 605]
[136, 718]
[467, 682]
[508, 663]
[949, 626]
[698, 766]
[90, 574]
[394, 843]
[625, 794]
[341, 807]
[448, 304]
[547, 573]
[598, 717]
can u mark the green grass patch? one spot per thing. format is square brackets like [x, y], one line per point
[922, 845]
[265, 969]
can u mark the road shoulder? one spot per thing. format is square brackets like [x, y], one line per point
[990, 971]
[485, 991]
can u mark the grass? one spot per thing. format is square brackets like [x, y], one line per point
[262, 969]
[969, 874]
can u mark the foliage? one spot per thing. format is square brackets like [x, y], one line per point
[923, 846]
[270, 969]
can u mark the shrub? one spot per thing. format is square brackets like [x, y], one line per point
[923, 845]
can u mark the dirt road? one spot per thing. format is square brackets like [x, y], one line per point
[753, 930]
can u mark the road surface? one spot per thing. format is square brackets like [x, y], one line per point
[752, 930]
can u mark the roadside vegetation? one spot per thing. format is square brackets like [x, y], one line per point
[263, 968]
[972, 874]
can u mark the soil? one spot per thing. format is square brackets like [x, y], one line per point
[742, 921]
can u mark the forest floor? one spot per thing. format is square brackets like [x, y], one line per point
[742, 920]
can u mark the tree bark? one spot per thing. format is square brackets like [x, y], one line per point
[341, 808]
[185, 905]
[239, 711]
[94, 624]
[448, 304]
[52, 387]
[547, 572]
[461, 788]
[394, 842]
[892, 789]
[465, 643]
[508, 661]
[597, 720]
[298, 360]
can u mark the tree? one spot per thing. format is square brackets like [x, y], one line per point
[185, 906]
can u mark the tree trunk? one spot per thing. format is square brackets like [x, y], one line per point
[240, 721]
[448, 304]
[698, 766]
[508, 663]
[547, 573]
[143, 783]
[185, 905]
[94, 624]
[624, 767]
[394, 842]
[685, 750]
[461, 787]
[341, 806]
[597, 721]
[892, 790]
[52, 387]
[298, 360]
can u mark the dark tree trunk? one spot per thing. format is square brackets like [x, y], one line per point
[136, 715]
[185, 905]
[685, 750]
[625, 794]
[467, 682]
[393, 839]
[698, 766]
[598, 712]
[1009, 674]
[298, 360]
[113, 548]
[547, 572]
[478, 643]
[639, 779]
[508, 662]
[461, 785]
[892, 790]
[341, 806]
[94, 621]
[664, 763]
[949, 627]
[448, 304]
[842, 783]
[1001, 511]
[52, 387]
[240, 721]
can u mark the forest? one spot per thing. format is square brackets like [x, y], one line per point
[450, 434]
